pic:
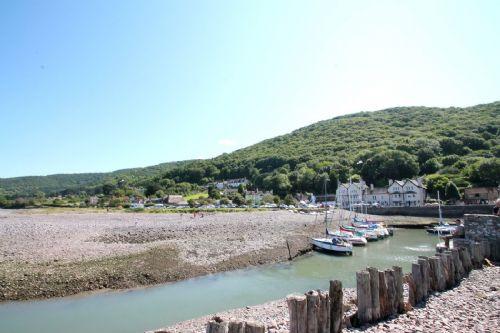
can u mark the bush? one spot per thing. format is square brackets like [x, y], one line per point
[450, 159]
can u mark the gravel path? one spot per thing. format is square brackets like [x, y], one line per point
[473, 306]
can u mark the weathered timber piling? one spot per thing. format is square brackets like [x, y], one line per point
[416, 273]
[434, 273]
[336, 306]
[412, 292]
[364, 297]
[453, 268]
[464, 254]
[459, 268]
[254, 327]
[391, 291]
[312, 298]
[486, 248]
[374, 288]
[297, 310]
[382, 295]
[323, 312]
[424, 271]
[236, 327]
[217, 325]
[400, 300]
[476, 255]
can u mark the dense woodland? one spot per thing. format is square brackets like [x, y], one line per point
[452, 147]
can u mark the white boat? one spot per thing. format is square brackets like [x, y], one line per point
[349, 237]
[442, 228]
[332, 245]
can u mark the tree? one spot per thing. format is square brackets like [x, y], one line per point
[289, 200]
[278, 182]
[450, 159]
[430, 166]
[241, 189]
[451, 146]
[213, 192]
[238, 199]
[389, 164]
[451, 191]
[485, 172]
[436, 183]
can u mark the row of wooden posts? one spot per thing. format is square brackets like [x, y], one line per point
[380, 294]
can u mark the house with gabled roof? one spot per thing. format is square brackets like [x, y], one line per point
[408, 192]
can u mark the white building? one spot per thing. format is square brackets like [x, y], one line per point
[350, 193]
[409, 192]
[231, 183]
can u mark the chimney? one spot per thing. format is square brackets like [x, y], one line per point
[371, 186]
[390, 182]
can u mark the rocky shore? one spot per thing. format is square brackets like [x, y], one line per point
[472, 306]
[47, 254]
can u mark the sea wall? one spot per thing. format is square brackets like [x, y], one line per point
[481, 228]
[432, 211]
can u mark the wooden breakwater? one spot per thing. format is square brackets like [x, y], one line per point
[380, 294]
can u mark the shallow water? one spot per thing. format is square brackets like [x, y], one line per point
[142, 309]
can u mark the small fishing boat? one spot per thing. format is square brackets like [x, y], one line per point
[332, 245]
[356, 240]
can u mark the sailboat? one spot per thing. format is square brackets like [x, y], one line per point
[331, 243]
[351, 236]
[442, 228]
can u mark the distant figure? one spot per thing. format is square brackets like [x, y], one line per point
[496, 209]
[459, 230]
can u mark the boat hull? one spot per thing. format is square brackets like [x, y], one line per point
[325, 245]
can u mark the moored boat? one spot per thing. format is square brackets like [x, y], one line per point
[356, 240]
[332, 245]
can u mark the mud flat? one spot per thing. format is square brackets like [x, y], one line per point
[47, 254]
[473, 306]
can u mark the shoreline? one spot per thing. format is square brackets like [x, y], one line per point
[478, 296]
[61, 254]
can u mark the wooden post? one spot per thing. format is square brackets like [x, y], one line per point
[382, 295]
[446, 269]
[412, 297]
[441, 274]
[254, 327]
[390, 280]
[424, 271]
[375, 290]
[217, 325]
[323, 312]
[416, 273]
[297, 309]
[451, 270]
[364, 297]
[433, 273]
[336, 306]
[465, 258]
[236, 327]
[400, 299]
[312, 311]
[459, 269]
[289, 253]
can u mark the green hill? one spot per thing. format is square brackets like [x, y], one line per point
[54, 184]
[459, 145]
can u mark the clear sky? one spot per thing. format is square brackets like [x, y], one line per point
[103, 85]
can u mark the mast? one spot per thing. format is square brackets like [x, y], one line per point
[439, 209]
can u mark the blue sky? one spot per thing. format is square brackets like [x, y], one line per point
[103, 85]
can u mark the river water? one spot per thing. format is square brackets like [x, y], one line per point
[142, 309]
